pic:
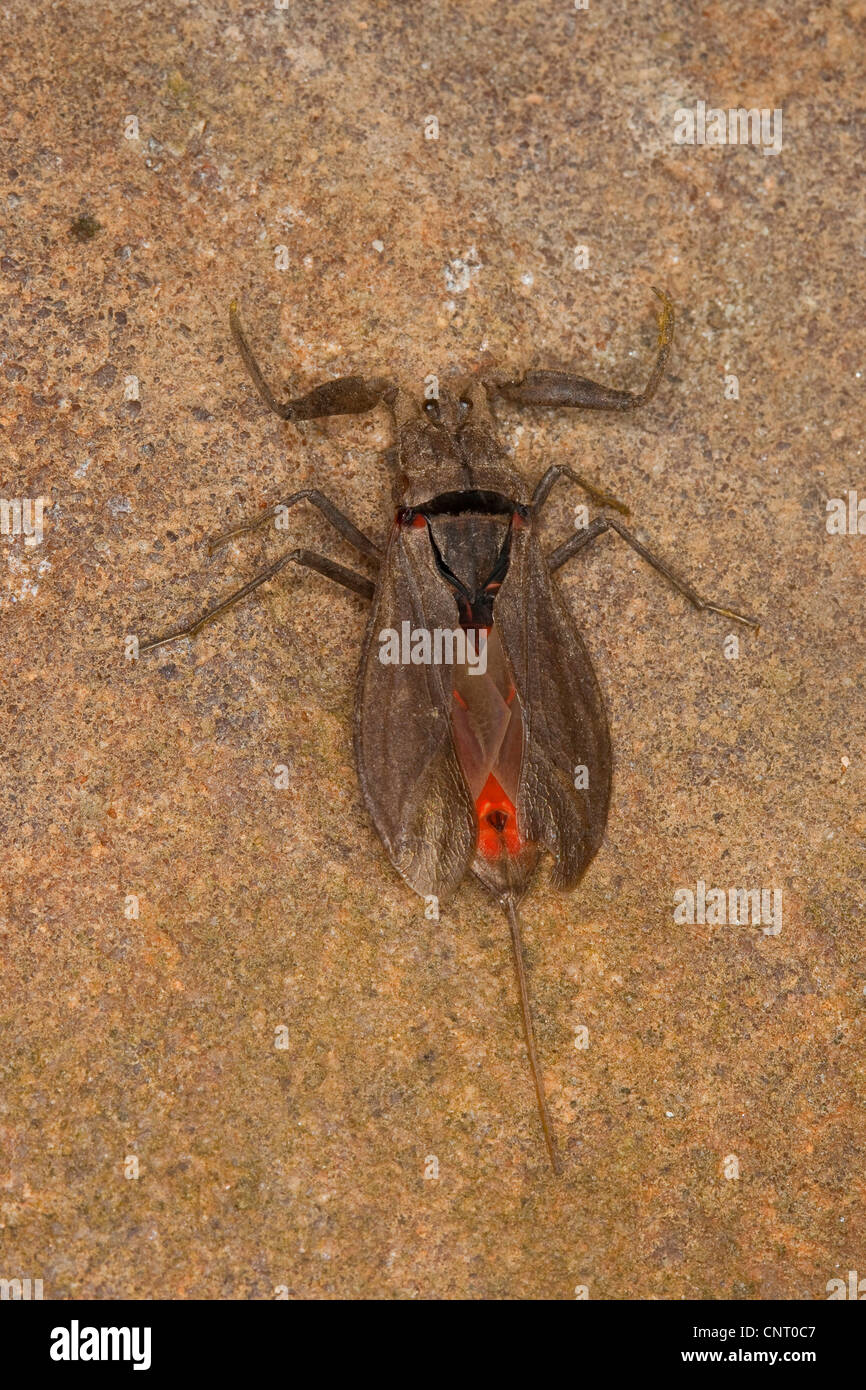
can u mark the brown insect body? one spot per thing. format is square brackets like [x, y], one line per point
[469, 770]
[463, 515]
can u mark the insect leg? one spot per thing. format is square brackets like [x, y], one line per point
[358, 583]
[609, 523]
[569, 548]
[559, 470]
[347, 395]
[563, 388]
[341, 523]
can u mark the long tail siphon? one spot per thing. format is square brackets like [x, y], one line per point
[526, 1013]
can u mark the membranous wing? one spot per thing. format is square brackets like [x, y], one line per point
[565, 726]
[479, 769]
[409, 773]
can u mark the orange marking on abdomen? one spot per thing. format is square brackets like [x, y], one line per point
[497, 822]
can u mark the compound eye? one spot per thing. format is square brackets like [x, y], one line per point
[432, 409]
[465, 405]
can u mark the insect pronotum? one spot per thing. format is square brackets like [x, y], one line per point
[468, 765]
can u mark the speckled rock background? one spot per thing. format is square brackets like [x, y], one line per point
[154, 1037]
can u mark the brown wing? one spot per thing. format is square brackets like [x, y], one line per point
[565, 725]
[407, 767]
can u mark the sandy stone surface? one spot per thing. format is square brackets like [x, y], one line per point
[712, 1049]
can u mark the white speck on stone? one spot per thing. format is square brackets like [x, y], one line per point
[460, 272]
[286, 216]
[27, 588]
[82, 467]
[528, 278]
[378, 246]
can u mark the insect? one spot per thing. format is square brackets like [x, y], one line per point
[465, 769]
